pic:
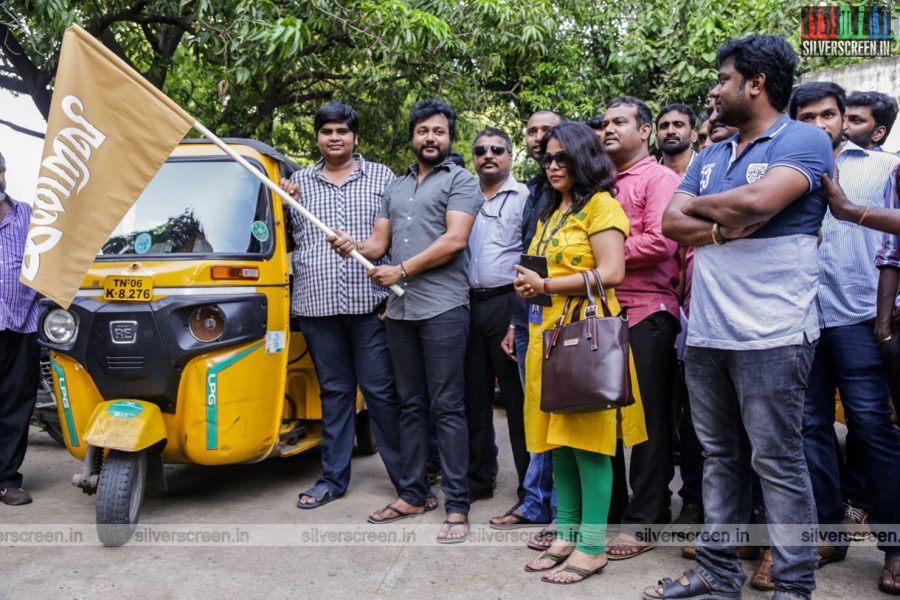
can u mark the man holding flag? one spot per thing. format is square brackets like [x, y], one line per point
[424, 222]
[19, 353]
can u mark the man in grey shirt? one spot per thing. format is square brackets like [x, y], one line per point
[425, 221]
[495, 246]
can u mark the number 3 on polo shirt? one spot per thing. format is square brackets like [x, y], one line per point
[535, 313]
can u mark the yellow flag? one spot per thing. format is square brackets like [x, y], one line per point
[108, 134]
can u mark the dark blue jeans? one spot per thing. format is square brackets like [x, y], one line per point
[351, 350]
[847, 358]
[748, 411]
[539, 504]
[429, 361]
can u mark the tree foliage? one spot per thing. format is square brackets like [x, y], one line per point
[260, 68]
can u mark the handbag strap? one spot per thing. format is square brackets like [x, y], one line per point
[602, 293]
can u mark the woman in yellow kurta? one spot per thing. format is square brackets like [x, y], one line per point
[583, 228]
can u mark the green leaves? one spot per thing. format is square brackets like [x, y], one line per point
[260, 68]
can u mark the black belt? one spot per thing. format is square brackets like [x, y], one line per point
[485, 293]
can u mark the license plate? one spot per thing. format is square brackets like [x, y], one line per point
[130, 288]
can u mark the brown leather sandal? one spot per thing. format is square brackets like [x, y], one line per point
[890, 576]
[762, 577]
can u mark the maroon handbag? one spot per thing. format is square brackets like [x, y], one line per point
[586, 362]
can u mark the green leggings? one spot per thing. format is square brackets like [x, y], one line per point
[583, 490]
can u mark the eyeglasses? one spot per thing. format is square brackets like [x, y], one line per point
[560, 158]
[495, 150]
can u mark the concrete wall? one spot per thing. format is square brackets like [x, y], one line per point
[881, 75]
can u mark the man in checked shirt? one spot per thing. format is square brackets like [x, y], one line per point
[339, 306]
[19, 354]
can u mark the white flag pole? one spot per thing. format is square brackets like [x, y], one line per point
[283, 195]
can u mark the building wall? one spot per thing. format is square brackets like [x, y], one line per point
[881, 75]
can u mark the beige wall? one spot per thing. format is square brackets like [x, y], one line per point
[881, 75]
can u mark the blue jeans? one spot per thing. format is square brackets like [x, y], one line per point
[847, 358]
[748, 412]
[539, 504]
[351, 350]
[429, 361]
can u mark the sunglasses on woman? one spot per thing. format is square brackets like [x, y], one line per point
[495, 150]
[560, 158]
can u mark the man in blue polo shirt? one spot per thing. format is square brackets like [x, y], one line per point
[752, 207]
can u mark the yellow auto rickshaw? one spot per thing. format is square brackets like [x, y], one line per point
[179, 346]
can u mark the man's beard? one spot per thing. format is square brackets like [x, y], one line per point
[437, 159]
[672, 150]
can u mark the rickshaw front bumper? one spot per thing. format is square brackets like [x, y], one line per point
[127, 425]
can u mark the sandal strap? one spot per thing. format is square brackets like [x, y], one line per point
[396, 510]
[578, 571]
[675, 589]
[553, 556]
[316, 492]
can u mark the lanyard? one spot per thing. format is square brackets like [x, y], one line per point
[552, 233]
[499, 214]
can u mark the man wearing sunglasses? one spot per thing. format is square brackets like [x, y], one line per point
[495, 245]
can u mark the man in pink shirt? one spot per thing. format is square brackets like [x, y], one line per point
[651, 273]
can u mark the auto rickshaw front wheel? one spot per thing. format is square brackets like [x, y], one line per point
[120, 494]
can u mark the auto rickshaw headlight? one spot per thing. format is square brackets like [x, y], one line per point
[207, 324]
[60, 326]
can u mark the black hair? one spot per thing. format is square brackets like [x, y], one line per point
[682, 108]
[547, 110]
[457, 158]
[770, 55]
[815, 91]
[883, 107]
[595, 123]
[425, 109]
[642, 112]
[494, 132]
[589, 166]
[336, 112]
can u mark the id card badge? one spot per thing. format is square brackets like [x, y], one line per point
[535, 313]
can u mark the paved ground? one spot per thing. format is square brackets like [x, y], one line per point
[258, 501]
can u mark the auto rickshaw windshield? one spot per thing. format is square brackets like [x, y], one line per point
[196, 206]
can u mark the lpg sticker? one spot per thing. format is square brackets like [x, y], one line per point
[274, 342]
[125, 410]
[142, 243]
[260, 231]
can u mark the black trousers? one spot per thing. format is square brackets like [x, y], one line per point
[485, 364]
[429, 368]
[19, 368]
[652, 467]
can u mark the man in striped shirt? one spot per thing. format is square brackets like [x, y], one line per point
[19, 354]
[847, 357]
[340, 308]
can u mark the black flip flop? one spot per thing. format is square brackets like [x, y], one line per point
[522, 522]
[452, 524]
[400, 515]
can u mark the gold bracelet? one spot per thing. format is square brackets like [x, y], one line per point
[864, 215]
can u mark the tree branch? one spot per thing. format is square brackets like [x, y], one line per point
[35, 82]
[21, 129]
